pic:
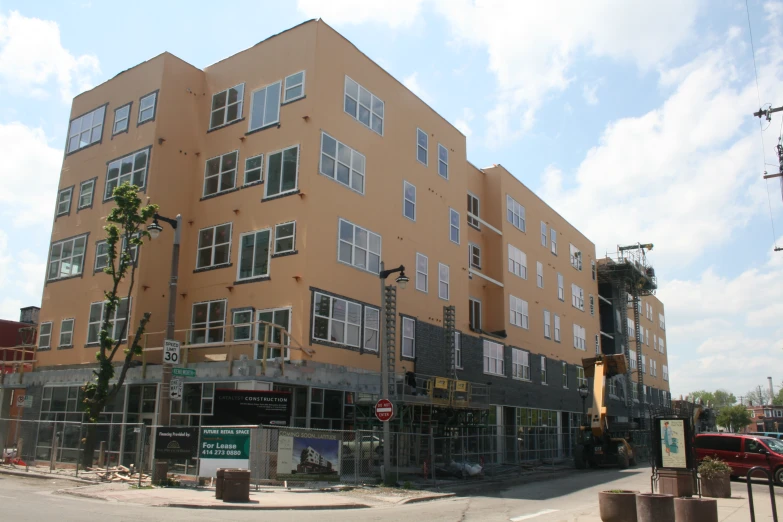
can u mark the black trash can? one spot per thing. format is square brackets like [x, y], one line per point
[236, 485]
[219, 483]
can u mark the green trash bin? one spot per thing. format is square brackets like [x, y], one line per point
[236, 485]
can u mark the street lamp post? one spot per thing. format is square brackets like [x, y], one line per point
[583, 393]
[402, 280]
[164, 410]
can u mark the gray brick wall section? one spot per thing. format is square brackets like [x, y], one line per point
[432, 359]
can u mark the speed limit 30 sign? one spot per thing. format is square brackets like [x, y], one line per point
[170, 351]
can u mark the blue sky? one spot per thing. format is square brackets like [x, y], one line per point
[633, 120]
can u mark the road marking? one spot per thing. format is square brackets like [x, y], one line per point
[533, 515]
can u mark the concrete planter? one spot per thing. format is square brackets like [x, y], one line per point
[617, 506]
[695, 510]
[654, 508]
[716, 487]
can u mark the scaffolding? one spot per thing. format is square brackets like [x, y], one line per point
[21, 357]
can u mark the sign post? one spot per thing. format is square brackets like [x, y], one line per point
[175, 389]
[384, 410]
[170, 351]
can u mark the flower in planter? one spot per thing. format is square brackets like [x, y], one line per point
[713, 467]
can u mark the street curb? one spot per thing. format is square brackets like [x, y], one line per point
[265, 508]
[27, 474]
[426, 498]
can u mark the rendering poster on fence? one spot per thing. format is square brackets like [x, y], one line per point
[673, 444]
[308, 455]
[176, 442]
[223, 448]
[245, 407]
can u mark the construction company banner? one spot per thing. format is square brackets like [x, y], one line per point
[223, 448]
[308, 455]
[251, 407]
[176, 442]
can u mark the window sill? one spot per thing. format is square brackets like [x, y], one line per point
[342, 346]
[44, 349]
[86, 146]
[229, 124]
[494, 374]
[65, 347]
[544, 384]
[213, 267]
[285, 254]
[252, 184]
[249, 280]
[289, 102]
[98, 344]
[216, 194]
[275, 125]
[408, 358]
[522, 379]
[278, 196]
[471, 225]
[64, 278]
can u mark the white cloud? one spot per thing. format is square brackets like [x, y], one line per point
[394, 13]
[589, 92]
[32, 56]
[412, 82]
[463, 123]
[21, 276]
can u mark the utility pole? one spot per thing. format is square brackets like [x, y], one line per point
[767, 114]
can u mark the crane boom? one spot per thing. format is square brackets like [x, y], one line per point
[599, 368]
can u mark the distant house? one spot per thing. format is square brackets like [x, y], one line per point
[765, 418]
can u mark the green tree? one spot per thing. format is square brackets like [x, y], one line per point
[718, 398]
[125, 231]
[758, 397]
[735, 418]
[778, 400]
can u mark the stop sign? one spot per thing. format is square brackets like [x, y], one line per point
[384, 410]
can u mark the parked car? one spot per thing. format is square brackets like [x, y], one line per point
[369, 446]
[773, 434]
[742, 452]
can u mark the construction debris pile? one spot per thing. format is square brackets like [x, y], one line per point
[116, 474]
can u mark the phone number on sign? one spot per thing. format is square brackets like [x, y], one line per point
[221, 453]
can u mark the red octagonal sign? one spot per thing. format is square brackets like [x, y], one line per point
[384, 410]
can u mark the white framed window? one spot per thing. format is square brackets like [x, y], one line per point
[580, 341]
[285, 237]
[227, 106]
[294, 87]
[517, 261]
[337, 320]
[254, 253]
[66, 332]
[577, 297]
[493, 358]
[655, 342]
[254, 169]
[547, 324]
[443, 281]
[518, 312]
[220, 173]
[282, 172]
[543, 234]
[214, 246]
[540, 274]
[565, 374]
[665, 372]
[553, 240]
[147, 107]
[560, 289]
[409, 200]
[473, 210]
[372, 328]
[86, 129]
[66, 258]
[243, 327]
[631, 329]
[661, 345]
[653, 368]
[454, 226]
[592, 305]
[121, 117]
[474, 314]
[422, 145]
[635, 391]
[474, 255]
[515, 213]
[557, 328]
[661, 322]
[359, 247]
[408, 337]
[132, 168]
[45, 336]
[443, 161]
[341, 163]
[422, 272]
[647, 337]
[581, 380]
[363, 106]
[117, 323]
[280, 317]
[612, 386]
[592, 267]
[520, 364]
[632, 357]
[543, 370]
[265, 106]
[101, 255]
[86, 193]
[64, 201]
[458, 350]
[576, 257]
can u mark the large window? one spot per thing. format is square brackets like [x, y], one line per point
[363, 105]
[518, 312]
[214, 246]
[359, 247]
[274, 316]
[343, 164]
[285, 237]
[409, 200]
[66, 333]
[422, 272]
[101, 255]
[576, 257]
[86, 192]
[254, 254]
[147, 107]
[254, 168]
[547, 325]
[45, 337]
[121, 118]
[474, 314]
[243, 329]
[117, 323]
[443, 281]
[473, 210]
[515, 213]
[474, 255]
[560, 289]
[294, 87]
[443, 161]
[227, 106]
[557, 328]
[207, 322]
[661, 322]
[577, 297]
[282, 170]
[454, 226]
[67, 258]
[540, 274]
[580, 335]
[493, 358]
[517, 261]
[64, 201]
[422, 140]
[520, 364]
[408, 337]
[665, 372]
[543, 234]
[372, 328]
[265, 107]
[581, 380]
[661, 345]
[553, 240]
[132, 168]
[86, 130]
[220, 173]
[337, 320]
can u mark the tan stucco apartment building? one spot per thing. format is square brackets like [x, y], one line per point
[298, 166]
